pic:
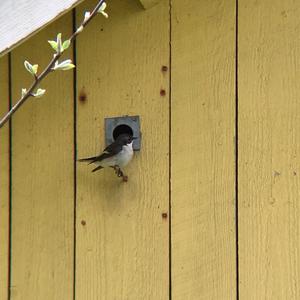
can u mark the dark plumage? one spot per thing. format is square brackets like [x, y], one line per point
[116, 155]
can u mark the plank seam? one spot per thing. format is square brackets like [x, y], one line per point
[236, 153]
[9, 179]
[170, 150]
[75, 151]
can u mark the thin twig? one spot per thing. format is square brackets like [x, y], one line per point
[48, 69]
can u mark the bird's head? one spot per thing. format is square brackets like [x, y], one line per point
[125, 139]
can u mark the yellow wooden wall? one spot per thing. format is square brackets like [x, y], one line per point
[211, 207]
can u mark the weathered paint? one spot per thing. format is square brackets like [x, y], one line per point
[123, 248]
[202, 150]
[4, 180]
[269, 147]
[42, 177]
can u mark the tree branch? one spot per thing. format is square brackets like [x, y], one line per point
[48, 69]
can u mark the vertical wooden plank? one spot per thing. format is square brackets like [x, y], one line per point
[122, 239]
[4, 180]
[202, 150]
[42, 176]
[269, 147]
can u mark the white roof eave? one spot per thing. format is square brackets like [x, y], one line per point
[20, 19]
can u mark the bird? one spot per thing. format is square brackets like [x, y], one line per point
[116, 155]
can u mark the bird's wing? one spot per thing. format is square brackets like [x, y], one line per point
[113, 148]
[87, 159]
[109, 151]
[96, 169]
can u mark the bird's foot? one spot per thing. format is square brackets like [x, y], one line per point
[120, 173]
[117, 170]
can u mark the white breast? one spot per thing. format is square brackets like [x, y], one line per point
[121, 159]
[125, 156]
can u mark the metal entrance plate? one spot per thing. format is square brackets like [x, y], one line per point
[118, 125]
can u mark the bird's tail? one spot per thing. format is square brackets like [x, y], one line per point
[87, 159]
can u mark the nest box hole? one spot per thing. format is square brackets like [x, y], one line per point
[120, 129]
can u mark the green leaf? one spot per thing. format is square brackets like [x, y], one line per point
[24, 91]
[35, 68]
[68, 67]
[53, 45]
[39, 93]
[64, 65]
[101, 10]
[79, 29]
[58, 41]
[28, 67]
[102, 7]
[87, 14]
[66, 44]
